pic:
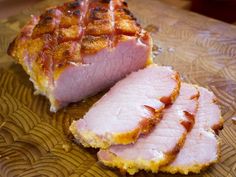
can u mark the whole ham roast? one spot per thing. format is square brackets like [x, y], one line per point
[148, 120]
[77, 49]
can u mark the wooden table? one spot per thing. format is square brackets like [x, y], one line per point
[34, 141]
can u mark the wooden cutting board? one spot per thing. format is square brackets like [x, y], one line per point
[35, 142]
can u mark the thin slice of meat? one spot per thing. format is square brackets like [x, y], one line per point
[80, 48]
[129, 109]
[201, 147]
[161, 145]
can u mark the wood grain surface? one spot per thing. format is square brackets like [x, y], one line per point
[35, 142]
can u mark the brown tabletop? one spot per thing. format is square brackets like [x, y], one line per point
[34, 141]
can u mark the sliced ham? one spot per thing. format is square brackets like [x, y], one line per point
[161, 145]
[77, 49]
[129, 109]
[201, 147]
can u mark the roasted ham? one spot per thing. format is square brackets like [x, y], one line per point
[129, 109]
[201, 147]
[77, 49]
[161, 145]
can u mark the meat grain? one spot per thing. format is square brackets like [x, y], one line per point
[163, 143]
[129, 109]
[201, 147]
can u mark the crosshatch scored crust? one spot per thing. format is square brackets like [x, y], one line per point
[78, 35]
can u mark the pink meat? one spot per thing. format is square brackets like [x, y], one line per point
[77, 49]
[201, 147]
[163, 143]
[99, 71]
[128, 108]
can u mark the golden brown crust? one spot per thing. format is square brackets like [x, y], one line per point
[93, 25]
[126, 138]
[134, 166]
[99, 27]
[62, 35]
[119, 138]
[66, 51]
[92, 44]
[11, 47]
[72, 33]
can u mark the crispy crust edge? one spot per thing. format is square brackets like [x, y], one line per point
[11, 48]
[197, 168]
[133, 167]
[119, 138]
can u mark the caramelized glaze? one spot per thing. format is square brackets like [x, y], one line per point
[66, 33]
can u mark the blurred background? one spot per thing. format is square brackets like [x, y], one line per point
[224, 10]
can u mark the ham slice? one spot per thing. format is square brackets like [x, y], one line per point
[77, 49]
[129, 109]
[201, 147]
[161, 145]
